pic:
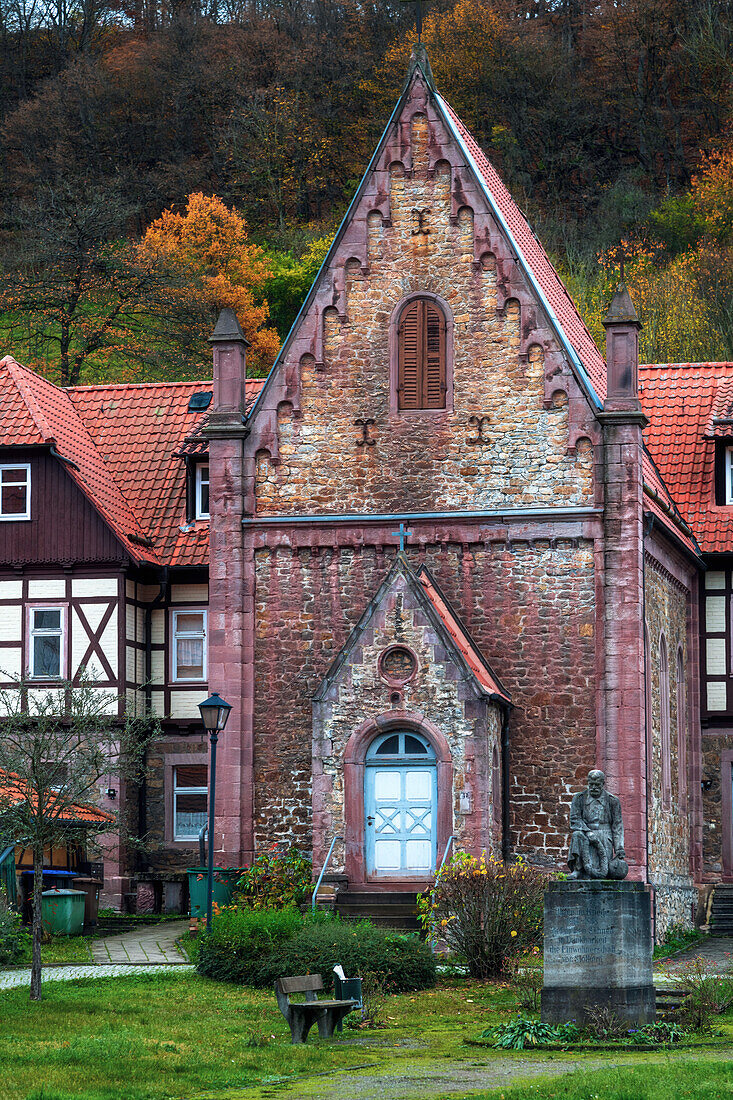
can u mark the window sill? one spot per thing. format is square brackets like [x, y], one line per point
[15, 519]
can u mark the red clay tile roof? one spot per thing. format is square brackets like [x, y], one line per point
[657, 499]
[14, 790]
[536, 258]
[462, 639]
[125, 443]
[681, 400]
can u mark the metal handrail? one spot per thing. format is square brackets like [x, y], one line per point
[323, 871]
[203, 831]
[450, 840]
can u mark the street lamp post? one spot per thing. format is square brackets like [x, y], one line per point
[214, 714]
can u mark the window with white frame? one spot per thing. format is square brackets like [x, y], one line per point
[15, 492]
[202, 490]
[46, 637]
[189, 645]
[190, 800]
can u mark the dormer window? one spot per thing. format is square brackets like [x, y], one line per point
[728, 499]
[202, 490]
[15, 491]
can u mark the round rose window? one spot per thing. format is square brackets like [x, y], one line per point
[398, 664]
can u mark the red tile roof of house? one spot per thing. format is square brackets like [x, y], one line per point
[123, 444]
[14, 790]
[547, 279]
[682, 400]
[463, 641]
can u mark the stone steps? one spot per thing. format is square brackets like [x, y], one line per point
[389, 909]
[721, 916]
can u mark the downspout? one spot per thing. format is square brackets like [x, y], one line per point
[142, 794]
[505, 846]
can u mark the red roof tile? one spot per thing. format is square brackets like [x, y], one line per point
[547, 279]
[14, 790]
[462, 639]
[124, 443]
[681, 400]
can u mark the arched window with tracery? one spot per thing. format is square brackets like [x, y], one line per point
[682, 729]
[664, 732]
[421, 356]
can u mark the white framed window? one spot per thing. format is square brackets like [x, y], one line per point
[190, 800]
[189, 645]
[202, 490]
[46, 642]
[729, 475]
[15, 491]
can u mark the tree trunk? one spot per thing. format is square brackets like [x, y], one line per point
[37, 923]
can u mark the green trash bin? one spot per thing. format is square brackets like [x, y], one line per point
[225, 879]
[62, 912]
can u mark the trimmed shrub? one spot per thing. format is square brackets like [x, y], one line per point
[12, 937]
[276, 880]
[487, 911]
[238, 950]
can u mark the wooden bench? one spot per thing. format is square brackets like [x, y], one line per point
[302, 1015]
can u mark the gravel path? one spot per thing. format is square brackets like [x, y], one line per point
[12, 979]
[716, 950]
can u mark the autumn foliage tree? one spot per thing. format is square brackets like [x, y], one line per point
[213, 265]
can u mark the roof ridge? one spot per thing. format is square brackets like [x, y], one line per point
[701, 363]
[142, 385]
[18, 372]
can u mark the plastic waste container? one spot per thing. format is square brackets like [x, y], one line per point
[90, 888]
[62, 912]
[225, 879]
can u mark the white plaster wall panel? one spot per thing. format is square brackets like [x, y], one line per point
[107, 700]
[11, 590]
[47, 590]
[140, 622]
[157, 629]
[130, 620]
[130, 664]
[11, 663]
[158, 701]
[130, 590]
[11, 623]
[157, 667]
[139, 666]
[44, 699]
[146, 593]
[190, 593]
[184, 704]
[94, 586]
[93, 613]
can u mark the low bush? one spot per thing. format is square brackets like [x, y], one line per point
[13, 939]
[258, 947]
[707, 994]
[524, 1031]
[603, 1029]
[487, 911]
[276, 880]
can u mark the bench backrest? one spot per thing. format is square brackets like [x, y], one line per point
[305, 983]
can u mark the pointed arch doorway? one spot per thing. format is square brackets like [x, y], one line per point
[400, 805]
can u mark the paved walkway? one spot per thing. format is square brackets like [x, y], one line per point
[155, 943]
[716, 950]
[11, 979]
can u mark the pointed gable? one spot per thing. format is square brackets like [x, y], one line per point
[453, 636]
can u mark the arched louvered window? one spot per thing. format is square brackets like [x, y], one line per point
[421, 370]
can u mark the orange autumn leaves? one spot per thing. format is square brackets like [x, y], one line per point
[208, 248]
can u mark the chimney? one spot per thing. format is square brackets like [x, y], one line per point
[230, 366]
[622, 352]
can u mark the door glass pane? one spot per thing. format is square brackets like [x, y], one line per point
[47, 656]
[47, 620]
[418, 821]
[388, 819]
[418, 784]
[191, 775]
[414, 747]
[418, 855]
[387, 855]
[386, 785]
[390, 746]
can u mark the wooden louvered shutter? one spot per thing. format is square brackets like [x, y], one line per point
[433, 357]
[409, 380]
[421, 366]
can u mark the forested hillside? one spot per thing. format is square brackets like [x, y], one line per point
[159, 162]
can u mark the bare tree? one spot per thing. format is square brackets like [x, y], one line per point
[55, 747]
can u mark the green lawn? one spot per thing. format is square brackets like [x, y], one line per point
[182, 1037]
[59, 950]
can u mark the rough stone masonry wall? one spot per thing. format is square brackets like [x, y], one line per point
[530, 606]
[160, 854]
[518, 455]
[669, 825]
[714, 743]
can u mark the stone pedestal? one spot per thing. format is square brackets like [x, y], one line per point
[598, 951]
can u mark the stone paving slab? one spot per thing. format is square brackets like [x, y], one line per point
[717, 951]
[153, 944]
[12, 979]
